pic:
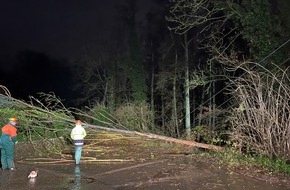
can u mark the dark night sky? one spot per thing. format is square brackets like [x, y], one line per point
[58, 28]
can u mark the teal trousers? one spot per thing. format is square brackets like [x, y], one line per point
[78, 154]
[7, 152]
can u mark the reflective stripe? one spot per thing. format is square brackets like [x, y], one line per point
[79, 142]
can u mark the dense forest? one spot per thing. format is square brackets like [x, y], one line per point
[211, 71]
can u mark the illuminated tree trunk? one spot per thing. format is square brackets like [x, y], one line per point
[174, 101]
[186, 88]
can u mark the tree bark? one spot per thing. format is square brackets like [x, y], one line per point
[174, 101]
[186, 88]
[181, 141]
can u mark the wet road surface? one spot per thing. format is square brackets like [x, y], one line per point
[173, 172]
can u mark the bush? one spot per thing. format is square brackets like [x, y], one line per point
[135, 117]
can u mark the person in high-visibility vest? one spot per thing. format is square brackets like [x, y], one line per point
[7, 141]
[78, 134]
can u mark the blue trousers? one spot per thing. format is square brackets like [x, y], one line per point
[78, 154]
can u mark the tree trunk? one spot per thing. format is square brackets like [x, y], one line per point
[180, 141]
[201, 106]
[162, 112]
[154, 136]
[186, 88]
[174, 102]
[152, 94]
[213, 105]
[210, 99]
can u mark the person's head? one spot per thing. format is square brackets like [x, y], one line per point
[13, 120]
[78, 123]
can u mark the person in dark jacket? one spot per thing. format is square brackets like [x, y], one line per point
[7, 141]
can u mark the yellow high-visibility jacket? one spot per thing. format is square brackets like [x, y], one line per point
[78, 133]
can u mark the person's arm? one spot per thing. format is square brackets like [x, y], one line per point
[14, 139]
[72, 134]
[85, 133]
[13, 134]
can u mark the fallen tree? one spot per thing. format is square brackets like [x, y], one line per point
[38, 115]
[160, 137]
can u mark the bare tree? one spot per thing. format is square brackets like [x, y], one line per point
[262, 120]
[99, 78]
[187, 14]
